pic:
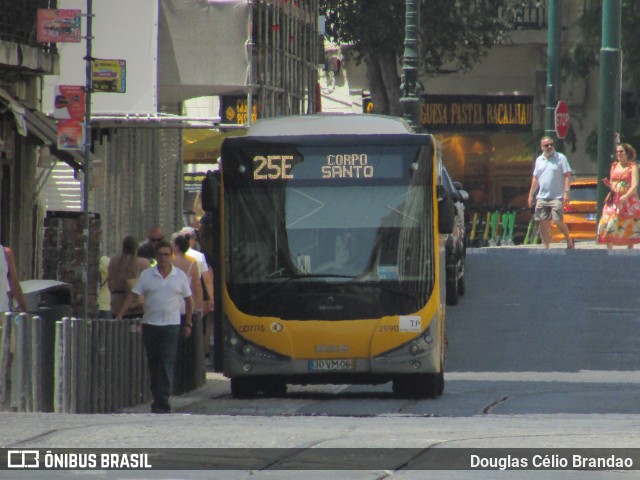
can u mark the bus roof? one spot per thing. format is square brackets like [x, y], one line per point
[330, 124]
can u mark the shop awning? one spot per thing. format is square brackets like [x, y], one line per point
[203, 146]
[43, 129]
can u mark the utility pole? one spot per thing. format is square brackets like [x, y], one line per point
[553, 70]
[86, 170]
[609, 93]
[410, 87]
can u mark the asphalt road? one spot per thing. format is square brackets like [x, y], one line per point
[543, 353]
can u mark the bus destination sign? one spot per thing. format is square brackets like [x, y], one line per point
[333, 166]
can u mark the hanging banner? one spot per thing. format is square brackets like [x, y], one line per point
[58, 25]
[70, 135]
[69, 103]
[109, 76]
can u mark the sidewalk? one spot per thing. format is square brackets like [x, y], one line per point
[580, 245]
[216, 385]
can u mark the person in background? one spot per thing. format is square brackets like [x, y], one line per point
[620, 220]
[206, 274]
[190, 267]
[552, 182]
[104, 295]
[147, 249]
[122, 269]
[10, 288]
[164, 287]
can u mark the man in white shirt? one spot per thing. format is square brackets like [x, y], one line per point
[550, 190]
[163, 287]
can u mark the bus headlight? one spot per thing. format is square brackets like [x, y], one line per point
[248, 351]
[411, 351]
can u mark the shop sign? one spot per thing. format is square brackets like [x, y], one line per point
[234, 110]
[477, 113]
[192, 202]
[109, 76]
[58, 25]
[70, 135]
[69, 103]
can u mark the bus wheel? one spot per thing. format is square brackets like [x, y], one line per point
[275, 389]
[461, 285]
[243, 387]
[426, 385]
[402, 387]
[452, 287]
[439, 383]
[431, 385]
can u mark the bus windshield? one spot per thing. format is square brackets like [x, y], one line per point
[316, 233]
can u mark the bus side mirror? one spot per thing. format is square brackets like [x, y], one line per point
[210, 192]
[462, 193]
[446, 212]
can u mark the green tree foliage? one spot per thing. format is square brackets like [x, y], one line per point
[455, 34]
[582, 58]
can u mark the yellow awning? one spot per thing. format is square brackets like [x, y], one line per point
[203, 145]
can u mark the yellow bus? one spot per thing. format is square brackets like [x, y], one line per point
[331, 259]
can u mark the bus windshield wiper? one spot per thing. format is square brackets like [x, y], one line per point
[315, 275]
[397, 290]
[297, 276]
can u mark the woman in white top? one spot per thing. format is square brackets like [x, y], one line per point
[9, 284]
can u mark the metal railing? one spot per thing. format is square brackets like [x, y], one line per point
[527, 15]
[83, 366]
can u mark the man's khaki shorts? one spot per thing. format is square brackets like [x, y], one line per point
[548, 210]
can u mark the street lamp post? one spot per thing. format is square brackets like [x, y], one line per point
[609, 94]
[86, 171]
[410, 87]
[553, 70]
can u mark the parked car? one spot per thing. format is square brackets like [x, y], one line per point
[581, 211]
[455, 243]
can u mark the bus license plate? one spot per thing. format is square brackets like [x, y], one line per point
[332, 364]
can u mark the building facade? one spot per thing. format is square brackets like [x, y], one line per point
[256, 56]
[27, 138]
[489, 120]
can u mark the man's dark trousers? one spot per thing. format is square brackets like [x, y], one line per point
[161, 344]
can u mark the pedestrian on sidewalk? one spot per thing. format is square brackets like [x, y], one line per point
[163, 286]
[104, 295]
[190, 267]
[206, 275]
[552, 182]
[147, 249]
[620, 219]
[10, 288]
[122, 271]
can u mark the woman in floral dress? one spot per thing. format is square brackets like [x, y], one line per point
[620, 220]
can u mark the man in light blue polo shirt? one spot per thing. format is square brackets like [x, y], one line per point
[163, 287]
[552, 180]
